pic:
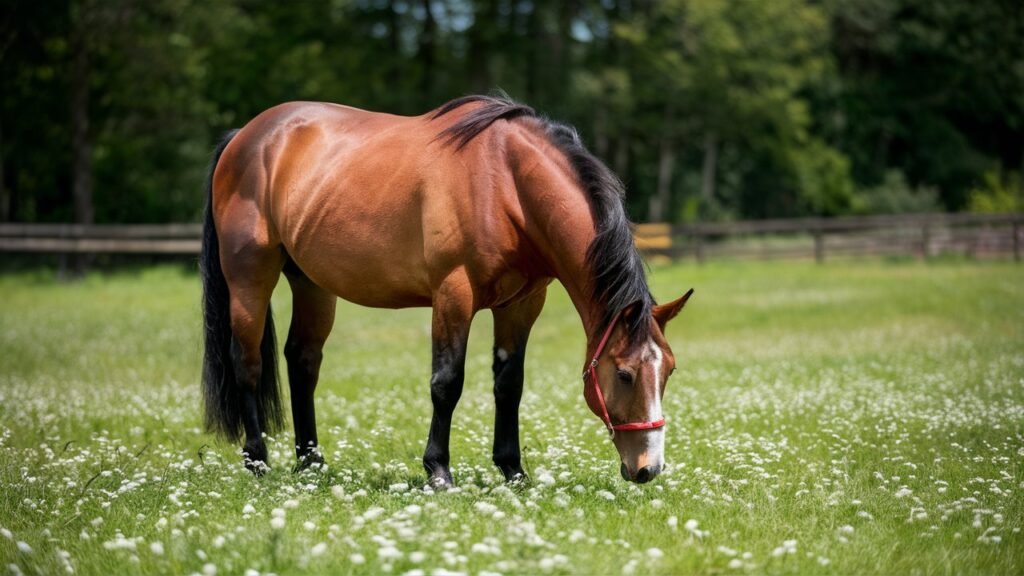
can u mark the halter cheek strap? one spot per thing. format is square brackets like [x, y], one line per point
[591, 372]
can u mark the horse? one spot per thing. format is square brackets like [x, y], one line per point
[478, 204]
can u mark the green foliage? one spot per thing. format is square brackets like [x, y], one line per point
[765, 107]
[823, 174]
[895, 196]
[998, 195]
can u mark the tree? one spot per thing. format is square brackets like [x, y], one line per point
[720, 77]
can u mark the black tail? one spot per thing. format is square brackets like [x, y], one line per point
[221, 394]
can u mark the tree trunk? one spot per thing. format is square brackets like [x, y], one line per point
[536, 54]
[427, 51]
[81, 138]
[394, 72]
[480, 38]
[5, 197]
[621, 162]
[707, 181]
[601, 129]
[661, 202]
[557, 80]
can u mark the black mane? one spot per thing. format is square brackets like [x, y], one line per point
[478, 120]
[619, 278]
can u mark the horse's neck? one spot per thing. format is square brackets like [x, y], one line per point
[561, 227]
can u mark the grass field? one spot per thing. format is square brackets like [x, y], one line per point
[859, 418]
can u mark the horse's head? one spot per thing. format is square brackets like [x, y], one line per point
[624, 384]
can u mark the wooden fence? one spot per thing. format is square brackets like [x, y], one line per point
[914, 235]
[919, 235]
[95, 239]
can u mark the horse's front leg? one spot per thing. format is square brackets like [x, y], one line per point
[453, 312]
[511, 330]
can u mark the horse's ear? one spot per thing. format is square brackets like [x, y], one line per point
[664, 312]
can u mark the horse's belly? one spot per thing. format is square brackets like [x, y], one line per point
[364, 268]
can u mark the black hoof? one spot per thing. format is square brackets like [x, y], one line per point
[256, 459]
[514, 474]
[439, 478]
[314, 460]
[440, 483]
[257, 467]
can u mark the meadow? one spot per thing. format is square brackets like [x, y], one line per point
[851, 418]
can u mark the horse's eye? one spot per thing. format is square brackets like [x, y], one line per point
[625, 376]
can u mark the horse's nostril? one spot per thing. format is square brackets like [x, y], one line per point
[625, 472]
[646, 474]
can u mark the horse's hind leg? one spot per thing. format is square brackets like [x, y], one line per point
[312, 319]
[511, 330]
[453, 312]
[252, 273]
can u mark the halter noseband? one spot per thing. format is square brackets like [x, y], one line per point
[591, 371]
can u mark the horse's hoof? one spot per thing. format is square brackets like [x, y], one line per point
[257, 467]
[517, 479]
[312, 461]
[440, 483]
[513, 474]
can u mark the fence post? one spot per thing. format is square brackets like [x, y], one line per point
[699, 241]
[1016, 240]
[819, 245]
[926, 240]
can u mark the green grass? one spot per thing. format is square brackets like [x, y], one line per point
[848, 418]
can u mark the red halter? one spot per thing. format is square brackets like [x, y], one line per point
[591, 371]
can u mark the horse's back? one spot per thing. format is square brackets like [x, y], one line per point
[370, 206]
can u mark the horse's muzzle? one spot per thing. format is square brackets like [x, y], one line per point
[642, 476]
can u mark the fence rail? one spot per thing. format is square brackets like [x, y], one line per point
[101, 238]
[919, 235]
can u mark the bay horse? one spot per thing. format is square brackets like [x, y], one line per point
[479, 204]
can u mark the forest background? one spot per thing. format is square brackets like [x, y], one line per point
[707, 109]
